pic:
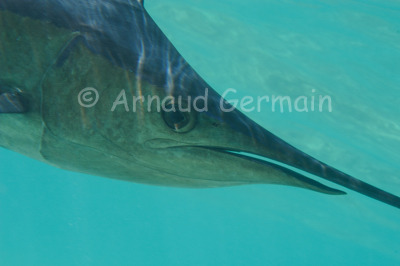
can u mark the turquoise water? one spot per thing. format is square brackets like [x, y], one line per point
[349, 50]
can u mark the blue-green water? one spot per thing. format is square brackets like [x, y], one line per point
[349, 50]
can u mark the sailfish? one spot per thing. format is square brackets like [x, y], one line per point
[53, 51]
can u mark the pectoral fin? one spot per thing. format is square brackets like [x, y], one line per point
[13, 102]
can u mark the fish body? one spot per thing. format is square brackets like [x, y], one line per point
[54, 54]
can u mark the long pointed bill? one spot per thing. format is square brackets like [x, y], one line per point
[271, 147]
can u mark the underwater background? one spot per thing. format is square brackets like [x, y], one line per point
[349, 50]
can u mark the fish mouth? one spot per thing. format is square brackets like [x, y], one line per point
[279, 166]
[251, 163]
[297, 163]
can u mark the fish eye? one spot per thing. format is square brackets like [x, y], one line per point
[180, 120]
